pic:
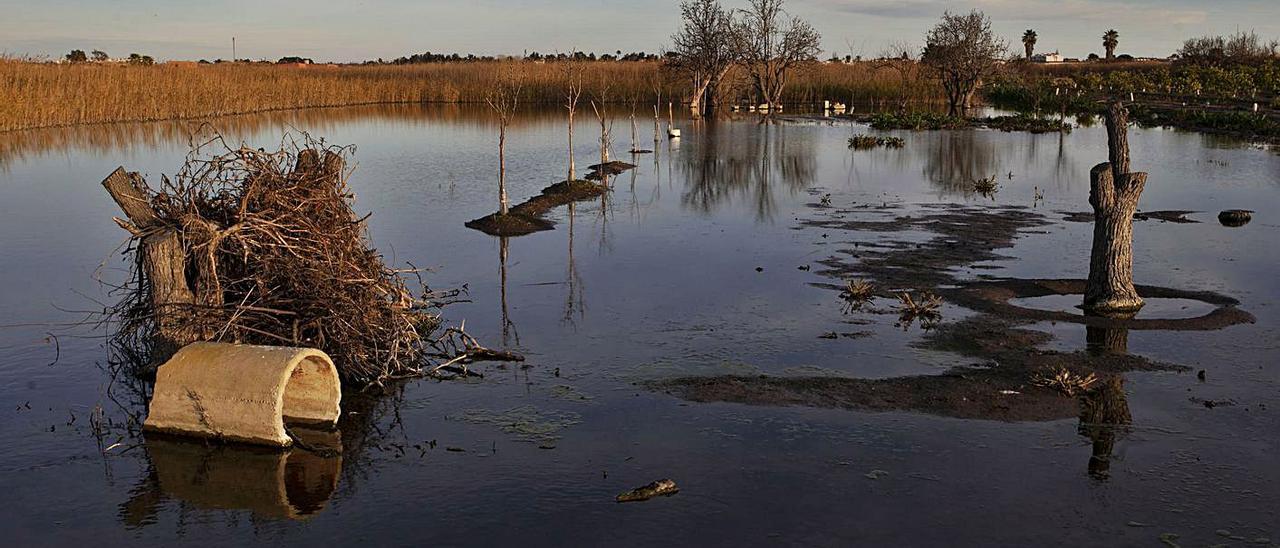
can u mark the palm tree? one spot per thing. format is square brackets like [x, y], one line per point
[1110, 40]
[1029, 42]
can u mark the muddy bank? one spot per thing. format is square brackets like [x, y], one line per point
[1168, 216]
[526, 217]
[1010, 378]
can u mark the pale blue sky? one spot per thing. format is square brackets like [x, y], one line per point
[365, 29]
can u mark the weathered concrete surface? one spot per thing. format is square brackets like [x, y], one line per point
[244, 393]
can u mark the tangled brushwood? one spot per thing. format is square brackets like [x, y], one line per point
[256, 247]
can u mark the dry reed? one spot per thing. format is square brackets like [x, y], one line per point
[51, 95]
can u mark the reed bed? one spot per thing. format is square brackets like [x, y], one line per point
[37, 95]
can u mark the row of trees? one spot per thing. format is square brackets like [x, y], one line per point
[428, 57]
[99, 56]
[763, 39]
[960, 52]
[1110, 40]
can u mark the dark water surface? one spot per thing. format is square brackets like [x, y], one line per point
[659, 281]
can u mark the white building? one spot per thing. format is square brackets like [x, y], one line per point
[1054, 57]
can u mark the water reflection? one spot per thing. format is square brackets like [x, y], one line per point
[732, 161]
[291, 484]
[1104, 418]
[575, 307]
[114, 139]
[955, 159]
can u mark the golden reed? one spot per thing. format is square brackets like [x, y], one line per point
[35, 95]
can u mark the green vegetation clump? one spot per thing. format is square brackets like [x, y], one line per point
[1235, 122]
[867, 142]
[917, 121]
[1026, 122]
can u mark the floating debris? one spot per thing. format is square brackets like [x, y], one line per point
[660, 488]
[1235, 217]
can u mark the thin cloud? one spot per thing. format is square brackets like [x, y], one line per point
[1024, 10]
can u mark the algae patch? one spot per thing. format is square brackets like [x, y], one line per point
[524, 423]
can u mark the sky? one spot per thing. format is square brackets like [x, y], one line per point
[355, 30]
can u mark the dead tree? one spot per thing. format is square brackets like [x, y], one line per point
[703, 50]
[772, 47]
[504, 98]
[1113, 193]
[573, 71]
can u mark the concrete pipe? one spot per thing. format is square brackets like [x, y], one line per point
[244, 393]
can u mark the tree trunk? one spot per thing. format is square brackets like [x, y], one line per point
[696, 98]
[572, 168]
[163, 259]
[502, 169]
[1114, 194]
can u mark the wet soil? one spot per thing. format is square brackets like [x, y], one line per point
[1168, 216]
[526, 218]
[1008, 358]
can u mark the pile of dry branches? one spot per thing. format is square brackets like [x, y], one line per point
[258, 247]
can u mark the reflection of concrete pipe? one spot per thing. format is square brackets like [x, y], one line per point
[243, 393]
[291, 484]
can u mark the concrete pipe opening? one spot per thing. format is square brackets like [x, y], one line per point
[244, 393]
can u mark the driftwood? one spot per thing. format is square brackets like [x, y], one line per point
[1114, 193]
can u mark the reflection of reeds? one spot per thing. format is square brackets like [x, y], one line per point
[927, 309]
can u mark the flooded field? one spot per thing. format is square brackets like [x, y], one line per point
[690, 326]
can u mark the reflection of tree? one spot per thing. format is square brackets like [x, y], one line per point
[957, 158]
[1104, 418]
[507, 325]
[736, 161]
[574, 305]
[1103, 340]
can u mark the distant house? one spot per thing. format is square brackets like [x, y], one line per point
[1054, 57]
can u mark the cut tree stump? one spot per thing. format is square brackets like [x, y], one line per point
[1113, 193]
[164, 261]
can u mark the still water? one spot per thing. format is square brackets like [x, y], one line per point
[690, 267]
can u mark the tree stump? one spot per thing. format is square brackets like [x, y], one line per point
[1113, 193]
[164, 260]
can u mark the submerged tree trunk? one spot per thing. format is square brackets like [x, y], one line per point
[1114, 194]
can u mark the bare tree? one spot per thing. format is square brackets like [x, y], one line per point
[897, 59]
[504, 97]
[962, 51]
[573, 74]
[703, 50]
[771, 46]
